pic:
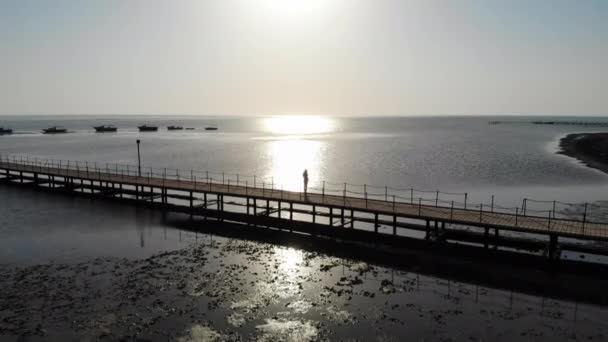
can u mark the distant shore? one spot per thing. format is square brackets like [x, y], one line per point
[590, 148]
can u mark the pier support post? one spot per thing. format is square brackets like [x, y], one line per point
[314, 213]
[21, 177]
[486, 237]
[394, 224]
[376, 223]
[342, 216]
[291, 216]
[191, 204]
[220, 204]
[267, 210]
[248, 221]
[352, 219]
[552, 246]
[331, 217]
[428, 228]
[290, 211]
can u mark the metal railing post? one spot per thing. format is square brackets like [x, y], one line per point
[452, 211]
[584, 217]
[437, 199]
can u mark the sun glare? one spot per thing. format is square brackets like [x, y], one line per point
[298, 125]
[290, 157]
[294, 7]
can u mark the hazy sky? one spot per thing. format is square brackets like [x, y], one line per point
[343, 57]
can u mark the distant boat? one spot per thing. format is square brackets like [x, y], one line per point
[210, 128]
[147, 128]
[55, 130]
[5, 130]
[190, 128]
[105, 128]
[175, 128]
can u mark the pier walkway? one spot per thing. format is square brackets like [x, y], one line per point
[202, 195]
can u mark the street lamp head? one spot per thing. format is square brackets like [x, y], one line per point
[138, 141]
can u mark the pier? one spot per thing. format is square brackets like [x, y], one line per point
[385, 216]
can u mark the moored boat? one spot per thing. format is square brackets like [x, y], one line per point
[174, 128]
[147, 128]
[210, 128]
[105, 128]
[55, 130]
[6, 130]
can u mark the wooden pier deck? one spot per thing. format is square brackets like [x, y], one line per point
[339, 209]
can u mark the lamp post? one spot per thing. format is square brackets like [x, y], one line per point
[138, 159]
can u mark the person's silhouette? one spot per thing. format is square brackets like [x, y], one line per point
[305, 176]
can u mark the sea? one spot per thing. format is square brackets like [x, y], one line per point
[75, 268]
[495, 164]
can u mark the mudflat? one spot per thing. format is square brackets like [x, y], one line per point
[589, 148]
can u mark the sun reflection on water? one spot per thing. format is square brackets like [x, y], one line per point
[299, 125]
[289, 158]
[289, 261]
[297, 149]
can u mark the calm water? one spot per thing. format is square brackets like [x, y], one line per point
[293, 293]
[463, 154]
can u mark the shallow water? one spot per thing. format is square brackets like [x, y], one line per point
[221, 289]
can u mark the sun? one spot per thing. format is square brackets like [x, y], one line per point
[293, 8]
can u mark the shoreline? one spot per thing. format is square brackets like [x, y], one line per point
[589, 148]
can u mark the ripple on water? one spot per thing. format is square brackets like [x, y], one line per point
[339, 316]
[200, 333]
[300, 306]
[236, 319]
[284, 330]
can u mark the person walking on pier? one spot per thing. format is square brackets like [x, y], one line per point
[305, 176]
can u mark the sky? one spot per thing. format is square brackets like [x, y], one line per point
[298, 57]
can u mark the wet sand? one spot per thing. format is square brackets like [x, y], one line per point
[232, 289]
[589, 148]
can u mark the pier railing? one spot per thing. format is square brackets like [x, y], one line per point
[389, 196]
